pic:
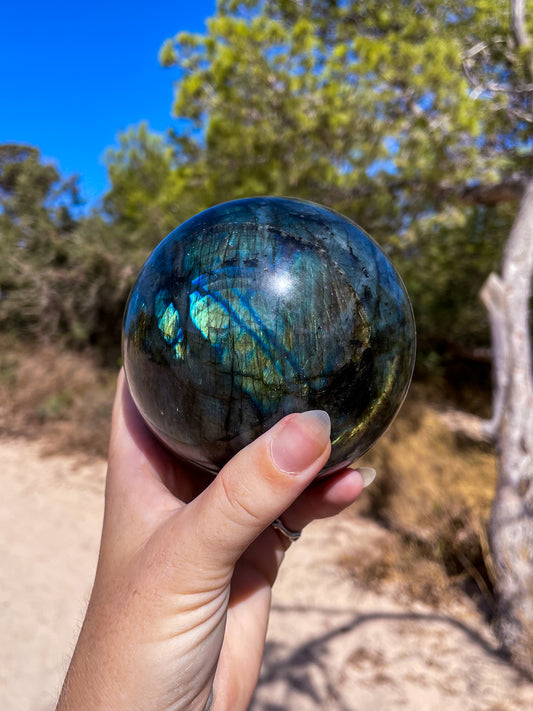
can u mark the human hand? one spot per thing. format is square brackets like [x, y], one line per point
[181, 597]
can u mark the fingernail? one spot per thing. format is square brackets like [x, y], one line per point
[367, 474]
[301, 440]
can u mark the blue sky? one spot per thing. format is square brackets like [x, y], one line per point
[74, 75]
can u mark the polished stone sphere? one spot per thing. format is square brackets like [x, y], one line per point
[261, 307]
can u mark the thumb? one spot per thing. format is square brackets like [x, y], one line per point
[257, 485]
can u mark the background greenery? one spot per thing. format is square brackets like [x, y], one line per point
[365, 107]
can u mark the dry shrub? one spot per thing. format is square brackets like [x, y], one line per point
[433, 492]
[401, 567]
[60, 395]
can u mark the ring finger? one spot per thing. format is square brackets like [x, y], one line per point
[322, 499]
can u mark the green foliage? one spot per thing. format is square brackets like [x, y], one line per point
[59, 276]
[334, 101]
[143, 198]
[367, 108]
[452, 253]
[55, 406]
[384, 111]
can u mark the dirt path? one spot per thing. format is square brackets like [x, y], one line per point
[331, 645]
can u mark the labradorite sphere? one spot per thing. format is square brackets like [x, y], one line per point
[261, 307]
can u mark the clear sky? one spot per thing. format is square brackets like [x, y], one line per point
[74, 75]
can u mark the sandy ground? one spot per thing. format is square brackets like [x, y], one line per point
[331, 645]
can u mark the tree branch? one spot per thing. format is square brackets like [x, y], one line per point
[494, 297]
[470, 426]
[518, 24]
[510, 190]
[520, 34]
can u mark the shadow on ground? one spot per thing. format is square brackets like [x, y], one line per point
[305, 672]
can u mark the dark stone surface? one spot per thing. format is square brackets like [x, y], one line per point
[260, 307]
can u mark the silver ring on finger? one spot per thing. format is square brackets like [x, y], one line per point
[291, 536]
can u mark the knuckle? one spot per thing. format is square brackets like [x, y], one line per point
[239, 504]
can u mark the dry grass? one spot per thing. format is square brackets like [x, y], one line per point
[433, 492]
[58, 395]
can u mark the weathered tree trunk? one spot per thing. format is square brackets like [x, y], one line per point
[511, 525]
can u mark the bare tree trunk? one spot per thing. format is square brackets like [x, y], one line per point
[507, 298]
[511, 524]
